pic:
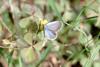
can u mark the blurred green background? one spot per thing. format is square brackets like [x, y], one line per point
[23, 45]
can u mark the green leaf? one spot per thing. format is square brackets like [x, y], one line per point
[28, 37]
[96, 64]
[9, 59]
[7, 22]
[29, 55]
[91, 20]
[20, 62]
[25, 22]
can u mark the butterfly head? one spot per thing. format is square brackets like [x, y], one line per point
[42, 24]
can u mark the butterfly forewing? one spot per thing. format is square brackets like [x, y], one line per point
[53, 26]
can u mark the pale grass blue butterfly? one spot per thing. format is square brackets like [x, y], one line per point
[51, 29]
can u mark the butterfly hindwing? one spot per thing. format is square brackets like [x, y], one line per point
[50, 34]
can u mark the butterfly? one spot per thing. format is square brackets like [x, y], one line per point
[51, 29]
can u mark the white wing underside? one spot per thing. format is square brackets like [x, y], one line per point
[54, 26]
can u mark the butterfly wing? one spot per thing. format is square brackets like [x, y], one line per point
[50, 34]
[53, 26]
